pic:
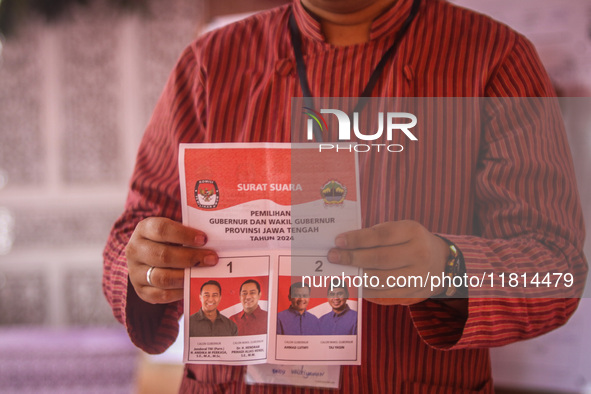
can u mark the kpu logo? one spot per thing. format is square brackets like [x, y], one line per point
[207, 194]
[395, 122]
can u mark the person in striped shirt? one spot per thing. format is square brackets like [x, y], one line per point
[500, 189]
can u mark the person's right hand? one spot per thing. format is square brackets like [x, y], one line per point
[170, 247]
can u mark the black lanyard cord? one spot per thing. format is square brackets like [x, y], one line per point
[296, 40]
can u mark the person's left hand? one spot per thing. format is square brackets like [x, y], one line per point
[399, 249]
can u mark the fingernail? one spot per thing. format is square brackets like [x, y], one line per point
[210, 259]
[334, 256]
[341, 241]
[200, 240]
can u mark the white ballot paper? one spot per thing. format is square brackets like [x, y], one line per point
[271, 211]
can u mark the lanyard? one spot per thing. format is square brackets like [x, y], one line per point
[296, 41]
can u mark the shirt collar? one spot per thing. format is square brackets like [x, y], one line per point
[201, 315]
[387, 23]
[295, 312]
[341, 313]
[254, 313]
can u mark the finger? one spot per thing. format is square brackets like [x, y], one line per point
[169, 256]
[389, 233]
[154, 295]
[165, 278]
[387, 257]
[167, 230]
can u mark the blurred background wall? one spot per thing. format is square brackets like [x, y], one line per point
[75, 96]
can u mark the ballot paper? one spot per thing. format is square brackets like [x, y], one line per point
[271, 211]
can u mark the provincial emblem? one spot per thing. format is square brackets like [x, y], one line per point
[333, 193]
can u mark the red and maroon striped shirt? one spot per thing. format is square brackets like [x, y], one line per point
[505, 197]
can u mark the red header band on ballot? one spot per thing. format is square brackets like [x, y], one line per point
[284, 176]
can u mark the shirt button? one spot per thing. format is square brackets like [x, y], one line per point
[284, 67]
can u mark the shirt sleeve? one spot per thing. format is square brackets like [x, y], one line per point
[528, 214]
[154, 192]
